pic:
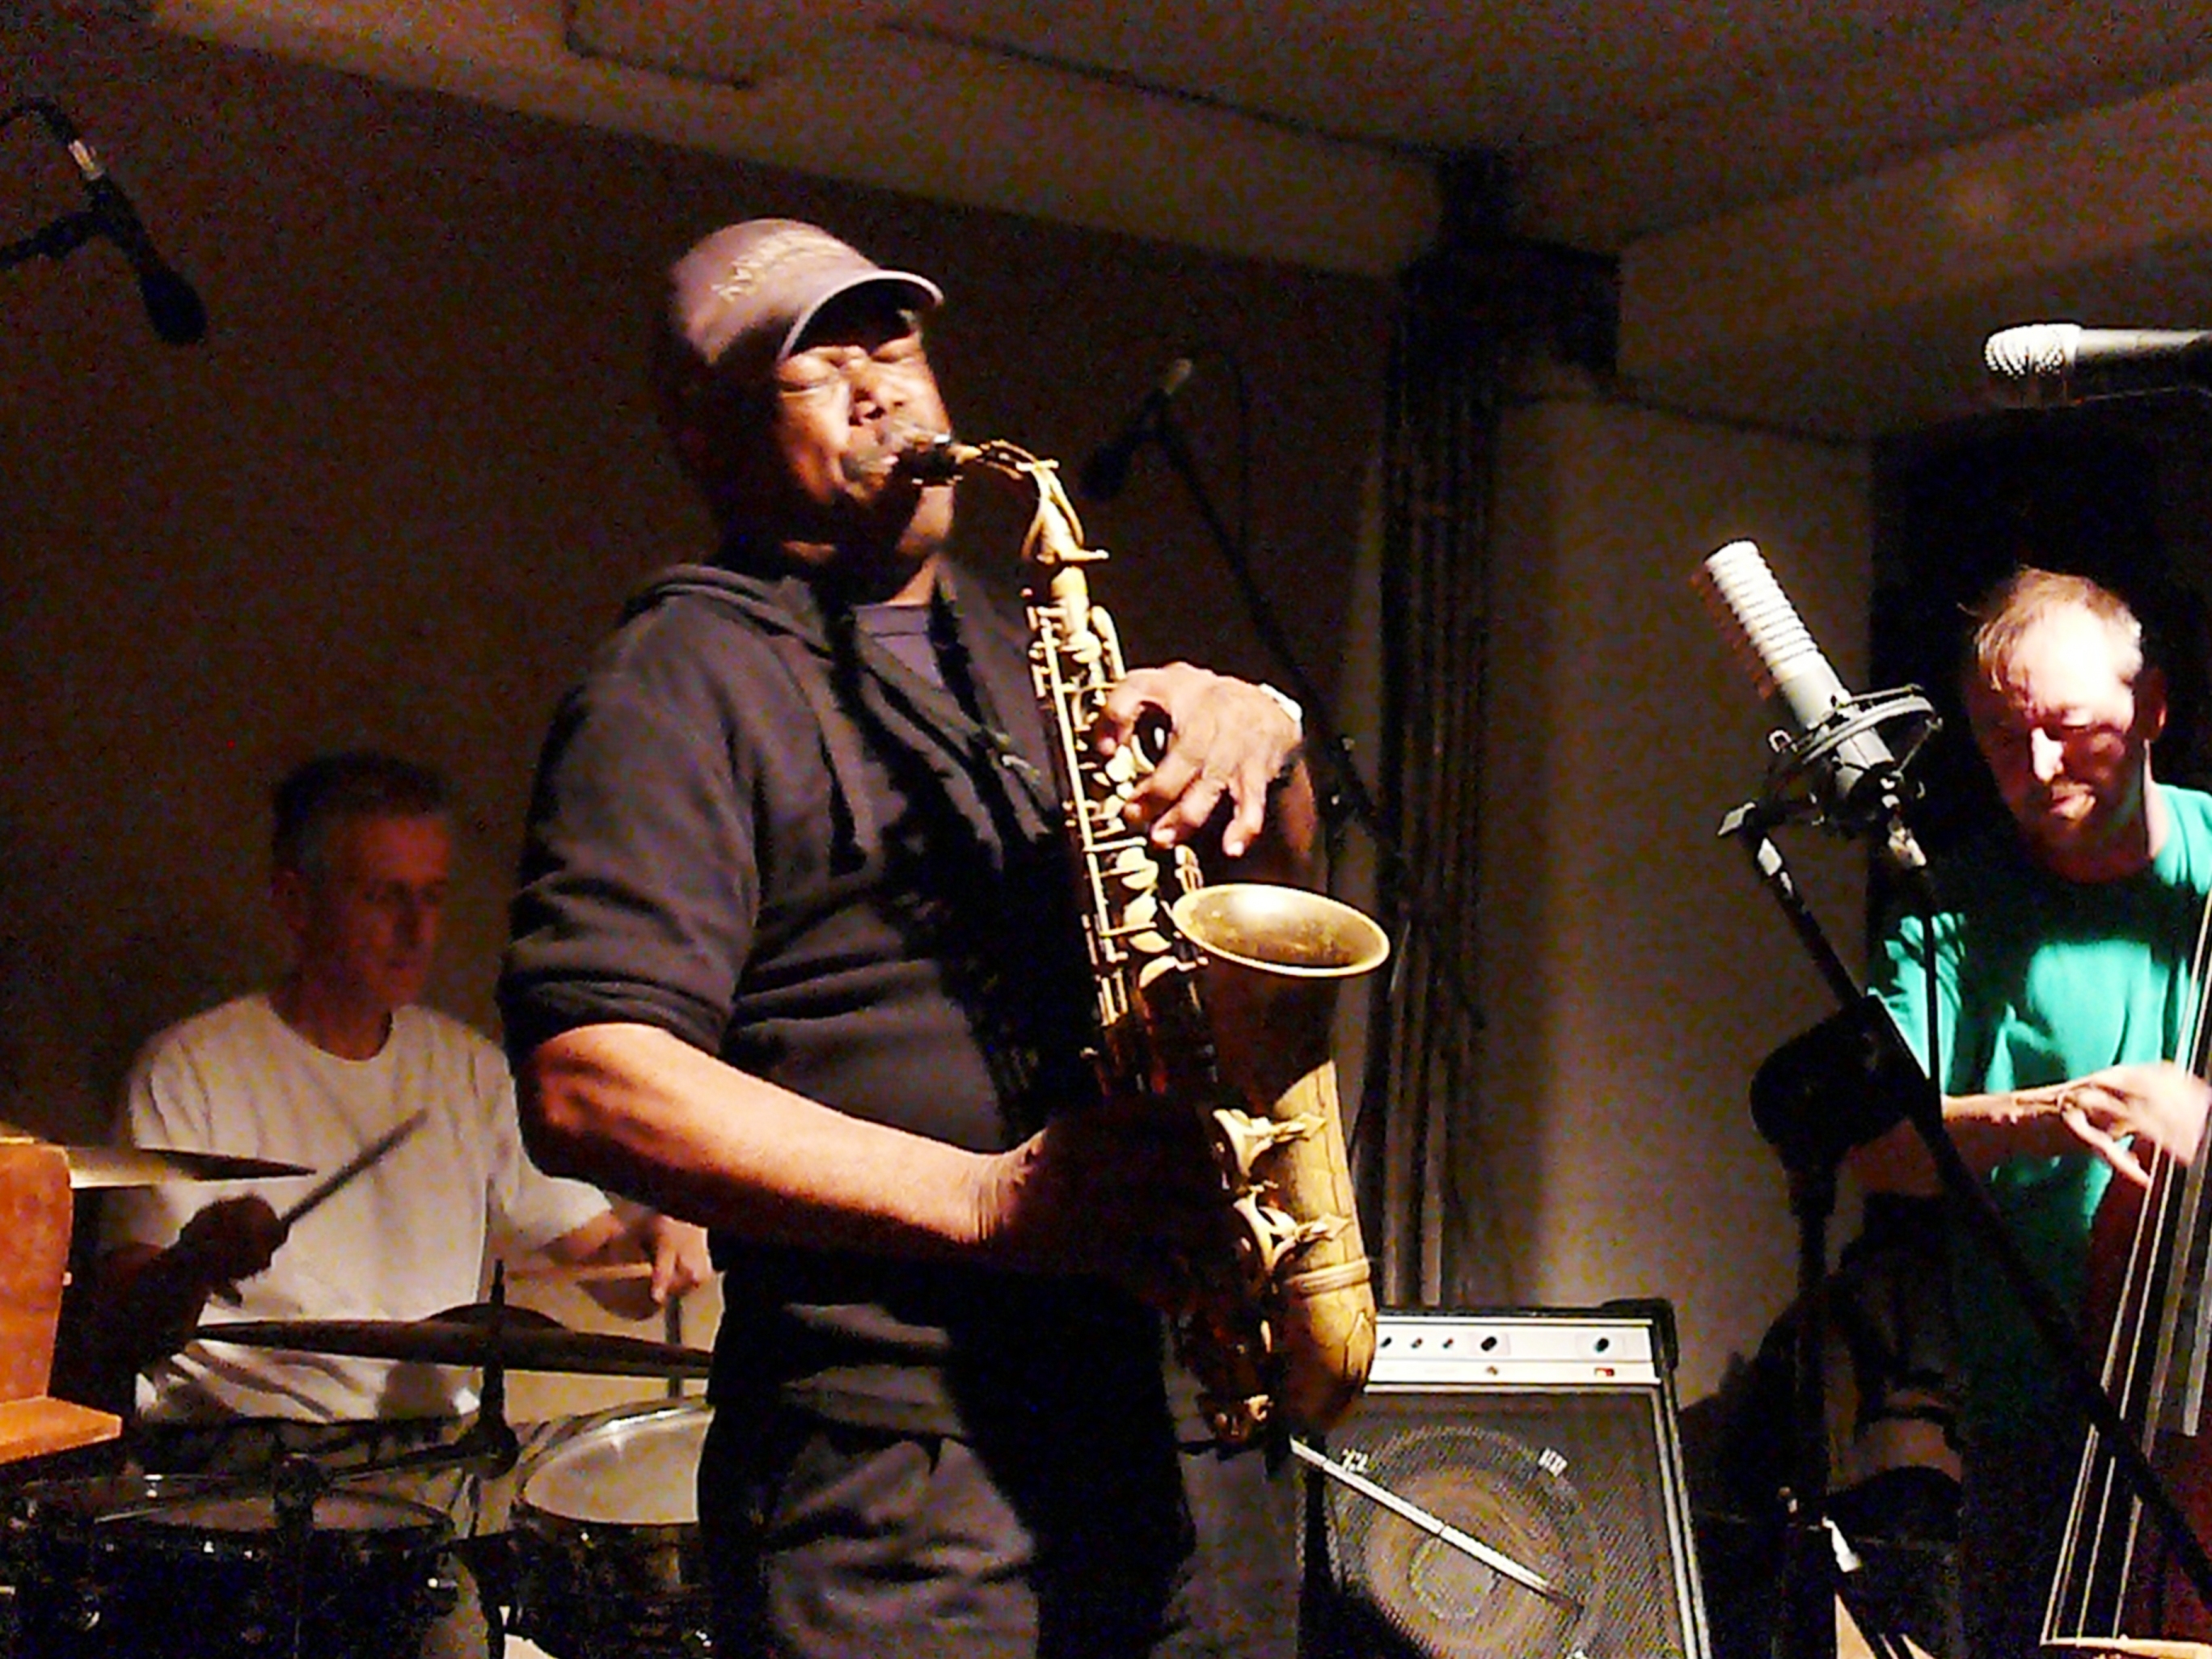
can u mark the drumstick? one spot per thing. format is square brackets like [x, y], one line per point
[597, 1274]
[327, 1187]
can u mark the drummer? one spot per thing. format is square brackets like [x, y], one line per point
[337, 1054]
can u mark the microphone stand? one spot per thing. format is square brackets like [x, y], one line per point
[1342, 784]
[55, 241]
[60, 238]
[1812, 1564]
[1817, 1560]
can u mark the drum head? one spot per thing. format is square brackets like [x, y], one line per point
[334, 1512]
[210, 1504]
[637, 1467]
[95, 1496]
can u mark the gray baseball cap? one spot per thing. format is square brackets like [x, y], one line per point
[745, 295]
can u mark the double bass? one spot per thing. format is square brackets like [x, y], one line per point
[2122, 1587]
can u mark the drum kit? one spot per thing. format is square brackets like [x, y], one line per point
[293, 1561]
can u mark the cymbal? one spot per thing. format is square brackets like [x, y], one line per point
[152, 1166]
[448, 1340]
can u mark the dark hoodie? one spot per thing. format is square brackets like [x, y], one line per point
[756, 829]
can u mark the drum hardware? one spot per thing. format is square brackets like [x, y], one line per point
[298, 1486]
[609, 1562]
[489, 1445]
[278, 1566]
[37, 1177]
[303, 1565]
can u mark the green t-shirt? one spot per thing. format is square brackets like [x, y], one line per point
[2040, 980]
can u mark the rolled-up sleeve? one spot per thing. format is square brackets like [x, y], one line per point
[638, 889]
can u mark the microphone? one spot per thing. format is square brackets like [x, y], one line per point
[1839, 768]
[1108, 468]
[172, 306]
[2045, 365]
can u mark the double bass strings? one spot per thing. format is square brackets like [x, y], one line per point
[2154, 1369]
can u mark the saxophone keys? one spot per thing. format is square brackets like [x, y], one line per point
[1156, 967]
[1134, 868]
[1322, 1229]
[1245, 1137]
[1270, 1235]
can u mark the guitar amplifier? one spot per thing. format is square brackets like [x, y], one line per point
[1545, 1438]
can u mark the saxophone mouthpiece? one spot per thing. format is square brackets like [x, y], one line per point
[933, 458]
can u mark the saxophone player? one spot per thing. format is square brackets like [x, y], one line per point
[793, 957]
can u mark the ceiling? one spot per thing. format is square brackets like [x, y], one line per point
[1712, 143]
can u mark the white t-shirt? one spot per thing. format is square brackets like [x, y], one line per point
[406, 1239]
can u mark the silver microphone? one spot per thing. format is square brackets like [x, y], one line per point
[2046, 365]
[1838, 768]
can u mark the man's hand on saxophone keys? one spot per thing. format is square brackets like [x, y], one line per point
[1228, 744]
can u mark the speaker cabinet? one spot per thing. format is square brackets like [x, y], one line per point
[1547, 1438]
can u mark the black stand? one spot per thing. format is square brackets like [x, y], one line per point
[1811, 1147]
[1342, 787]
[65, 235]
[55, 240]
[1816, 1561]
[297, 1484]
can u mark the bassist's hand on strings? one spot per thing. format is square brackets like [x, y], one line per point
[2120, 1114]
[2159, 1105]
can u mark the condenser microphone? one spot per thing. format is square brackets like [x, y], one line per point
[1108, 468]
[2045, 365]
[1837, 767]
[172, 305]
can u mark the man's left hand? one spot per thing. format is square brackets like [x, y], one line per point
[1226, 740]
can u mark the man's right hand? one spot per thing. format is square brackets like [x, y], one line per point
[2160, 1103]
[233, 1238]
[161, 1296]
[1125, 1190]
[2114, 1113]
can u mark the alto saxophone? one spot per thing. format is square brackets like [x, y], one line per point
[1216, 996]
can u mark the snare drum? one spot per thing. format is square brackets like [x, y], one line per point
[185, 1567]
[606, 1529]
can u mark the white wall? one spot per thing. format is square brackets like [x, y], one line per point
[1634, 971]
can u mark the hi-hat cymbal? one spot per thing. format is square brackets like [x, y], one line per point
[446, 1340]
